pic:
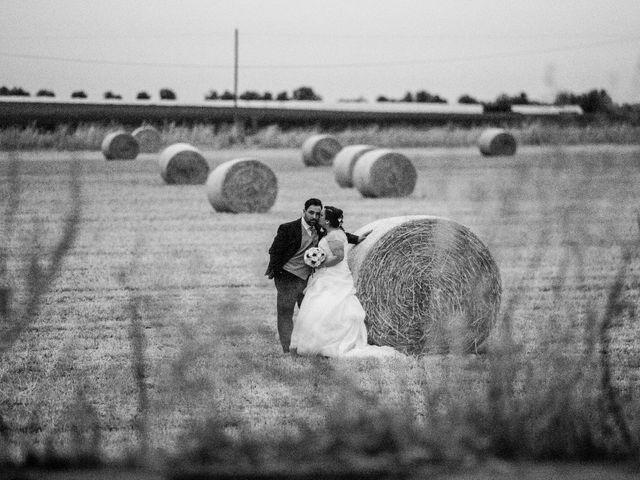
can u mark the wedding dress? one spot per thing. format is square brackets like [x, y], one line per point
[330, 321]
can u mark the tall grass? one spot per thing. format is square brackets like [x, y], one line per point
[225, 136]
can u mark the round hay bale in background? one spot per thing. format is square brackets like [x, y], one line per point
[345, 160]
[320, 150]
[242, 185]
[120, 145]
[148, 138]
[384, 173]
[427, 284]
[496, 141]
[183, 164]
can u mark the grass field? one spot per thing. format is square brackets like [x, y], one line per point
[160, 284]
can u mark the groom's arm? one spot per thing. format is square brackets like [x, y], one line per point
[356, 239]
[278, 251]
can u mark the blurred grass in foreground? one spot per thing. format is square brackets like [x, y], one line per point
[452, 410]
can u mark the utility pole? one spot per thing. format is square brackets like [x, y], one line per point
[235, 71]
[238, 124]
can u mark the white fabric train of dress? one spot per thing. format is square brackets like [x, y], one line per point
[330, 321]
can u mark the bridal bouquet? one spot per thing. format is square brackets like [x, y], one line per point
[314, 257]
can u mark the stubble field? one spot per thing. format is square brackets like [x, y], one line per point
[157, 263]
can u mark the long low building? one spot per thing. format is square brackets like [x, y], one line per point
[49, 111]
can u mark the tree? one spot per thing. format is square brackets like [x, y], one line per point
[359, 99]
[468, 99]
[423, 96]
[521, 99]
[597, 101]
[502, 103]
[78, 94]
[227, 95]
[19, 92]
[267, 96]
[250, 95]
[15, 92]
[594, 101]
[408, 97]
[143, 96]
[109, 95]
[305, 93]
[167, 94]
[212, 95]
[382, 98]
[282, 97]
[45, 93]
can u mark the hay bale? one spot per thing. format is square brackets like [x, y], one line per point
[242, 185]
[428, 284]
[345, 160]
[384, 173]
[496, 141]
[148, 138]
[320, 150]
[183, 164]
[120, 145]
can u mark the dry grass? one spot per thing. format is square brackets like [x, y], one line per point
[225, 136]
[194, 318]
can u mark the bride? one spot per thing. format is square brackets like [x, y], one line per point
[330, 320]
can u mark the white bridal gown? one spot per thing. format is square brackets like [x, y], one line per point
[330, 321]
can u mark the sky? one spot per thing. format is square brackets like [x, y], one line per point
[344, 50]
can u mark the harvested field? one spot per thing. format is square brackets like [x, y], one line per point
[555, 220]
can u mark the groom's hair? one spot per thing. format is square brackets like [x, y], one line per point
[312, 201]
[333, 216]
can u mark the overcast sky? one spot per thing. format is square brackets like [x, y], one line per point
[342, 49]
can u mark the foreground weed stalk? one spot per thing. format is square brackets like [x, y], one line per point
[138, 347]
[614, 308]
[39, 279]
[135, 306]
[13, 202]
[14, 319]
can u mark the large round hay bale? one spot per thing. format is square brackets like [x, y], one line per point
[242, 185]
[427, 284]
[320, 150]
[384, 173]
[148, 138]
[183, 164]
[345, 160]
[496, 141]
[120, 145]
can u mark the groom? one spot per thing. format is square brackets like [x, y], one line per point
[287, 267]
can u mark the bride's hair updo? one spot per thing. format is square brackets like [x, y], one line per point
[333, 216]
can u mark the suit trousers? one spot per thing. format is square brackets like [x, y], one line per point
[290, 290]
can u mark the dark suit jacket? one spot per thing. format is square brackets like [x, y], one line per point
[287, 242]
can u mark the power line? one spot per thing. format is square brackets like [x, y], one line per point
[368, 36]
[111, 37]
[112, 62]
[411, 62]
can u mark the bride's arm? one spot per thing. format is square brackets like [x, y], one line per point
[337, 253]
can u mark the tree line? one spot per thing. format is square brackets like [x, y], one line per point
[301, 93]
[595, 101]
